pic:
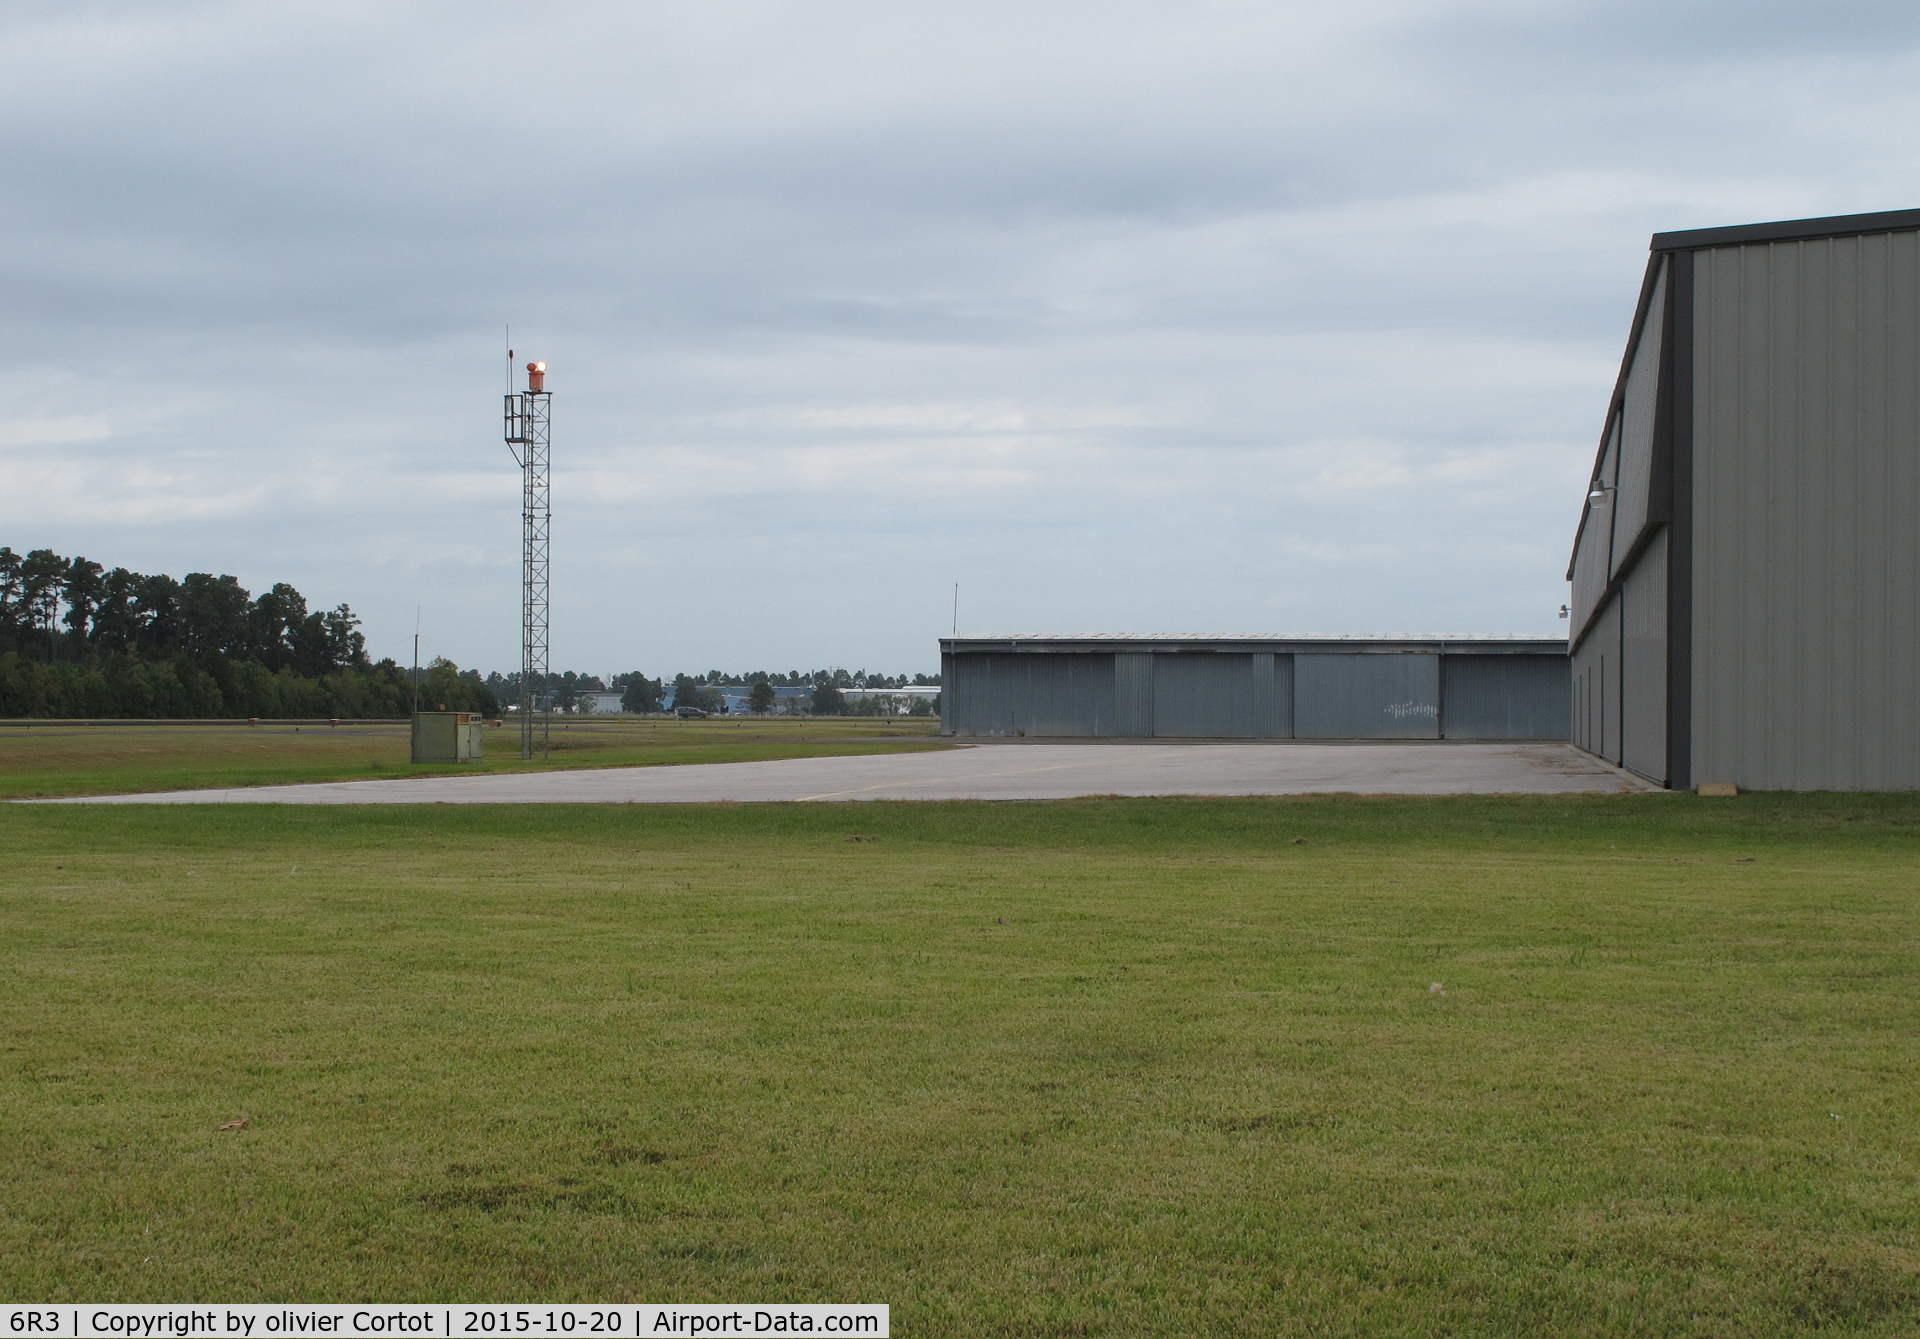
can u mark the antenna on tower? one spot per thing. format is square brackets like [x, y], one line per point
[529, 438]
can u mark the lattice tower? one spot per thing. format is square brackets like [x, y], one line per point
[529, 437]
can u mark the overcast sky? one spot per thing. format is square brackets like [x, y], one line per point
[1211, 317]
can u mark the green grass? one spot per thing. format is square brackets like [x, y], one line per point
[1095, 1068]
[52, 758]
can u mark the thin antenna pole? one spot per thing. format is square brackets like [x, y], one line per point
[416, 660]
[956, 608]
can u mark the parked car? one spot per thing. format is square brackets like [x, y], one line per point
[690, 713]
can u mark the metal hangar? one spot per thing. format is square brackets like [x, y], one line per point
[1248, 687]
[1746, 572]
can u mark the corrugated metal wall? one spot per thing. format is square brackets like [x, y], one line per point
[1504, 697]
[1255, 695]
[1618, 699]
[1133, 694]
[1366, 696]
[1272, 696]
[1593, 558]
[1634, 471]
[1643, 663]
[1582, 731]
[1069, 695]
[1596, 686]
[1806, 560]
[1203, 696]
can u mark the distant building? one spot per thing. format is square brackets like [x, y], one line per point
[893, 701]
[1255, 687]
[738, 699]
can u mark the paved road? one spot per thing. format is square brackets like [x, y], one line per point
[994, 772]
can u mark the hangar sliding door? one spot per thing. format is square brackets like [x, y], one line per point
[1643, 664]
[1133, 694]
[1505, 697]
[1033, 695]
[1203, 695]
[1596, 678]
[1366, 696]
[1272, 696]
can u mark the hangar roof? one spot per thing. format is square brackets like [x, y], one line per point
[1788, 230]
[1283, 643]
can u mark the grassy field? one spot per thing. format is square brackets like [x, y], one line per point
[52, 758]
[1637, 1065]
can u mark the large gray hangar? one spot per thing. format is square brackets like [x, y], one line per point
[1746, 574]
[1233, 687]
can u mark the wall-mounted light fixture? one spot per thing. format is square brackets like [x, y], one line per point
[1564, 611]
[1597, 495]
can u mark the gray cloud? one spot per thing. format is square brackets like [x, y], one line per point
[1225, 316]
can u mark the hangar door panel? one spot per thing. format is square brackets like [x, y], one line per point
[1133, 694]
[1643, 664]
[1033, 695]
[1201, 695]
[1272, 696]
[1596, 686]
[1506, 697]
[1366, 697]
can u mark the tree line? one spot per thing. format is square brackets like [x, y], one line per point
[563, 691]
[78, 640]
[823, 689]
[839, 678]
[641, 694]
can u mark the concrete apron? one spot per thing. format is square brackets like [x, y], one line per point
[1029, 772]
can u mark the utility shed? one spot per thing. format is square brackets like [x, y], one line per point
[1254, 687]
[1746, 572]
